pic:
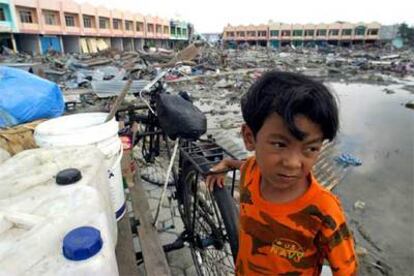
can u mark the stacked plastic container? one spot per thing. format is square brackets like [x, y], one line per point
[56, 215]
[89, 129]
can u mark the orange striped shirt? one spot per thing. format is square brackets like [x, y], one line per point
[291, 238]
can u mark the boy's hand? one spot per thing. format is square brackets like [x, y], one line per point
[217, 179]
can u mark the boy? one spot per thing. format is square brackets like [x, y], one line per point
[288, 223]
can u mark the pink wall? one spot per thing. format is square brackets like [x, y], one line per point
[68, 6]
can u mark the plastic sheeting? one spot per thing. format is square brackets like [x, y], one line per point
[27, 97]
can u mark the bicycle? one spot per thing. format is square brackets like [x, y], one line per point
[210, 219]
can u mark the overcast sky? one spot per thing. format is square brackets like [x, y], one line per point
[213, 15]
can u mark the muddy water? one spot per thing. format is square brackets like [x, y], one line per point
[379, 129]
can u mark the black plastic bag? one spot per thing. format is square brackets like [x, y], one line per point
[180, 118]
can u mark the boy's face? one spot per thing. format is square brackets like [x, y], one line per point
[284, 161]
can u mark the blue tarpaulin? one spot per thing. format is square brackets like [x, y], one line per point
[26, 97]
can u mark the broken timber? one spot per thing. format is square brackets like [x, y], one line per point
[155, 261]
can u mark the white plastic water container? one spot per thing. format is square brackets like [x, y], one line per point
[33, 242]
[55, 220]
[89, 129]
[31, 177]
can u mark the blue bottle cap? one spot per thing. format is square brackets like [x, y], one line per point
[82, 243]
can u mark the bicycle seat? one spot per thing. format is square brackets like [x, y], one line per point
[179, 118]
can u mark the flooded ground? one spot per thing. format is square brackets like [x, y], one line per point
[379, 129]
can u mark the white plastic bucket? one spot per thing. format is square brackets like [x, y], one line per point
[89, 129]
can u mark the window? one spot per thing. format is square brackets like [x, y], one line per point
[297, 32]
[333, 32]
[103, 22]
[158, 29]
[262, 33]
[116, 24]
[360, 30]
[173, 31]
[251, 33]
[321, 32]
[140, 26]
[2, 15]
[347, 32]
[372, 31]
[184, 32]
[179, 32]
[274, 33]
[240, 34]
[285, 33]
[129, 25]
[309, 33]
[150, 28]
[70, 20]
[50, 18]
[166, 31]
[87, 21]
[26, 16]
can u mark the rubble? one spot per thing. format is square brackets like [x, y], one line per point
[389, 91]
[359, 205]
[209, 72]
[410, 104]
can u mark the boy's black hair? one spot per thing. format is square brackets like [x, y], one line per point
[290, 94]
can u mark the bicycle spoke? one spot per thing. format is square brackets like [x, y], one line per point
[210, 247]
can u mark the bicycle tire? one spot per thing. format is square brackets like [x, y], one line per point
[228, 215]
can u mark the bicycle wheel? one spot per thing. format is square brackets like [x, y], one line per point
[213, 221]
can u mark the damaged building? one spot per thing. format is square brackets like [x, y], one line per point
[277, 35]
[37, 26]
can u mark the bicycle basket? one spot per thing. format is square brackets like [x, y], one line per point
[180, 118]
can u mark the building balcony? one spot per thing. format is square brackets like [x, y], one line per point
[309, 37]
[150, 35]
[129, 33]
[334, 37]
[90, 31]
[52, 29]
[184, 37]
[29, 27]
[140, 34]
[274, 37]
[6, 26]
[118, 33]
[371, 37]
[346, 37]
[105, 32]
[73, 30]
[359, 37]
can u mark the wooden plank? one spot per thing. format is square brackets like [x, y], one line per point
[155, 261]
[125, 253]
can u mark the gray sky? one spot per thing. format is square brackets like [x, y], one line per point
[213, 15]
